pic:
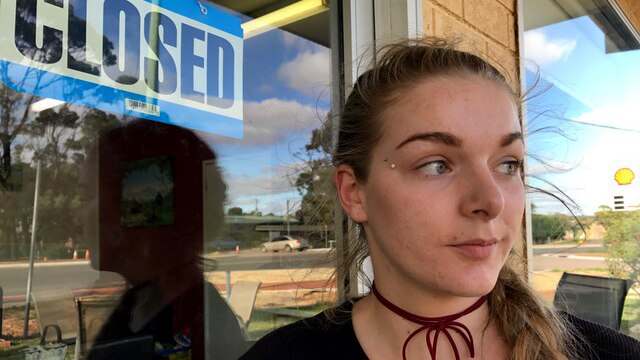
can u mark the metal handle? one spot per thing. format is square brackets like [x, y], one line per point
[43, 338]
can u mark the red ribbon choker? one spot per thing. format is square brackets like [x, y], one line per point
[444, 324]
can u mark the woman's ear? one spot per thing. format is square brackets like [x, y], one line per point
[350, 193]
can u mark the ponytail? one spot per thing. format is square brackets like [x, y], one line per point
[531, 329]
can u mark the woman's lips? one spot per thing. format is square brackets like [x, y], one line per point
[477, 249]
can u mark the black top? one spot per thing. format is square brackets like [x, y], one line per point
[318, 338]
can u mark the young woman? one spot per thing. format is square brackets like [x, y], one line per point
[429, 167]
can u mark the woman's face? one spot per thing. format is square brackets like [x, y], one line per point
[443, 203]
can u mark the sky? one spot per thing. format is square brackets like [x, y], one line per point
[286, 96]
[590, 98]
[581, 118]
[587, 95]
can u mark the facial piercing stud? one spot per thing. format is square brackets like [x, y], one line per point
[393, 166]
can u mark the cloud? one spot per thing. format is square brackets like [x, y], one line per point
[291, 40]
[268, 180]
[272, 121]
[265, 89]
[309, 72]
[299, 44]
[590, 183]
[544, 51]
[551, 166]
[623, 116]
[269, 204]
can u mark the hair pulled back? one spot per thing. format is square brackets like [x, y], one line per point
[399, 67]
[531, 330]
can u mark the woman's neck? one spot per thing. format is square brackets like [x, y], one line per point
[420, 299]
[382, 333]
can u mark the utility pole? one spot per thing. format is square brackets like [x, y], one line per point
[288, 227]
[326, 236]
[34, 227]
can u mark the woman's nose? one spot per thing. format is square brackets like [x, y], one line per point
[483, 195]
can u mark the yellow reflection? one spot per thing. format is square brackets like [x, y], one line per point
[624, 176]
[281, 17]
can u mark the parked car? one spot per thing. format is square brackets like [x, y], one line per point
[285, 243]
[223, 244]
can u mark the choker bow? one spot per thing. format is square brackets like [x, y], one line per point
[444, 324]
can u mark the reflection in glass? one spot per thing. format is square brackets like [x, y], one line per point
[150, 185]
[586, 58]
[147, 193]
[174, 252]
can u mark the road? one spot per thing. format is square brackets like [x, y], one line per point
[541, 263]
[79, 275]
[568, 257]
[255, 260]
[71, 274]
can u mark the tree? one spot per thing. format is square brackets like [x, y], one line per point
[52, 137]
[15, 112]
[604, 208]
[15, 106]
[622, 241]
[315, 181]
[48, 136]
[548, 227]
[59, 139]
[234, 211]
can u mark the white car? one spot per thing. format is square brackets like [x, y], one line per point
[285, 243]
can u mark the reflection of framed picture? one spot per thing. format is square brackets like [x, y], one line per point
[151, 193]
[147, 193]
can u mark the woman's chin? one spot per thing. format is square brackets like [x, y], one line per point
[474, 286]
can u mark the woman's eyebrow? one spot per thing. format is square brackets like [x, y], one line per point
[451, 140]
[441, 137]
[510, 138]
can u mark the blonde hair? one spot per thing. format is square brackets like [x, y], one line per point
[531, 330]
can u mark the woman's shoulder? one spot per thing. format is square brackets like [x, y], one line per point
[328, 335]
[603, 342]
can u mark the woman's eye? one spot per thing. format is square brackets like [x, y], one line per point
[511, 167]
[434, 168]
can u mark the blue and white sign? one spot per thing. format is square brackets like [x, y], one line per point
[174, 61]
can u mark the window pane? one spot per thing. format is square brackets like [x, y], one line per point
[159, 152]
[583, 135]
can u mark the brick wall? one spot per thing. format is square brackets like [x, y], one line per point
[632, 9]
[487, 28]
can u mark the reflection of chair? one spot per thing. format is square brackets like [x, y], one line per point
[139, 348]
[57, 307]
[592, 298]
[242, 299]
[93, 312]
[1, 307]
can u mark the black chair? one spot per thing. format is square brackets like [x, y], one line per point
[596, 299]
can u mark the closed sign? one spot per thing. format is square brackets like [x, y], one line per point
[174, 61]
